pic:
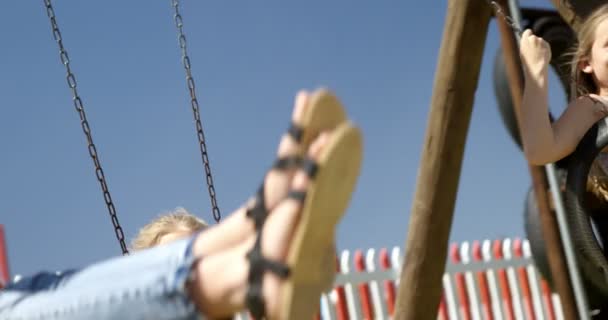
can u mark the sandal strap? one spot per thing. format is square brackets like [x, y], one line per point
[288, 162]
[296, 132]
[258, 212]
[299, 196]
[258, 265]
[310, 167]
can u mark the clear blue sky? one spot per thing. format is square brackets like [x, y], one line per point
[248, 60]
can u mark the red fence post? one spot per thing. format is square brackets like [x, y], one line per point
[4, 272]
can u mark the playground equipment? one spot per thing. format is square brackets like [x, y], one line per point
[92, 149]
[458, 66]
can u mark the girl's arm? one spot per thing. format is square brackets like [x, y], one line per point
[572, 125]
[544, 142]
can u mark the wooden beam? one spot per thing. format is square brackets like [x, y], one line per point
[456, 78]
[549, 226]
[574, 11]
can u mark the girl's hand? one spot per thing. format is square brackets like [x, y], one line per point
[535, 53]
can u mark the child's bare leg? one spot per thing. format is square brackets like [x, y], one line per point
[237, 227]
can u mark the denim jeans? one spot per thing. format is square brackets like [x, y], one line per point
[149, 284]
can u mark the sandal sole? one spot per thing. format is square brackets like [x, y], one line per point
[311, 258]
[324, 112]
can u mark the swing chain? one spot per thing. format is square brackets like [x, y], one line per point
[71, 79]
[498, 11]
[195, 108]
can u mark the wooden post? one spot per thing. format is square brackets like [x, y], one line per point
[549, 226]
[573, 11]
[456, 79]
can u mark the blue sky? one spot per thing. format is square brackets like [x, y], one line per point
[248, 60]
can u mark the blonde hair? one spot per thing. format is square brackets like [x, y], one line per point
[583, 83]
[177, 220]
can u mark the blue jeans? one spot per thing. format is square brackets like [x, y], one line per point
[149, 284]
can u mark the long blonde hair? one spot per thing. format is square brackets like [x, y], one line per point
[583, 83]
[177, 220]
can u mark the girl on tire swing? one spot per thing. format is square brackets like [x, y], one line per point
[545, 142]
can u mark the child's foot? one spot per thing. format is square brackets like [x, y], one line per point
[292, 261]
[225, 273]
[313, 113]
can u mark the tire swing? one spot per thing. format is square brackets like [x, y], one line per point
[533, 230]
[591, 258]
[560, 37]
[587, 223]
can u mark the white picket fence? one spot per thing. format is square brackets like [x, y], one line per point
[488, 280]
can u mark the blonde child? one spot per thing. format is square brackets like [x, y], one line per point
[168, 227]
[271, 257]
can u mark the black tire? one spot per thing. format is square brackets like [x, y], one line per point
[533, 230]
[532, 227]
[502, 91]
[592, 262]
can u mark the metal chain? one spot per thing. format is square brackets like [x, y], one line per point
[575, 86]
[195, 109]
[71, 79]
[510, 22]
